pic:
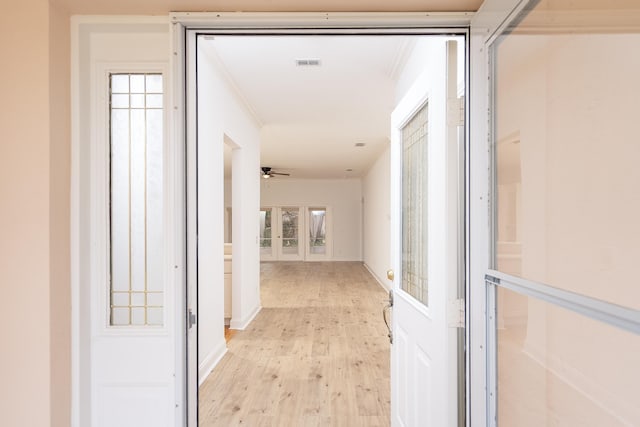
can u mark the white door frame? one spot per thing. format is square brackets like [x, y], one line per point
[490, 20]
[301, 23]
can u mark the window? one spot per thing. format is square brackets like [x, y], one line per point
[414, 206]
[317, 231]
[135, 200]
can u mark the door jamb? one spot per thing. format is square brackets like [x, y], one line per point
[412, 23]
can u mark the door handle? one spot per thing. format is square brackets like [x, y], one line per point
[390, 275]
[385, 313]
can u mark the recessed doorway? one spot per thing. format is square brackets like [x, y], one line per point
[320, 108]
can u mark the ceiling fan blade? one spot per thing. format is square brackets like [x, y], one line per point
[278, 173]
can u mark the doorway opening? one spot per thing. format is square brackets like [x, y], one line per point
[320, 108]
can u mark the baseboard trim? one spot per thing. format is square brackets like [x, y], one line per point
[243, 323]
[211, 361]
[380, 282]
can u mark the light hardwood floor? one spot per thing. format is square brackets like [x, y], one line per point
[316, 355]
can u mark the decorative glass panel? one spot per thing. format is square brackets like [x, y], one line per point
[414, 206]
[317, 231]
[290, 230]
[265, 232]
[136, 202]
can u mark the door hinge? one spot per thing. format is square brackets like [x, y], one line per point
[456, 313]
[191, 319]
[455, 111]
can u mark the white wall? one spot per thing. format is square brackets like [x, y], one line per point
[417, 61]
[344, 196]
[376, 217]
[228, 186]
[223, 118]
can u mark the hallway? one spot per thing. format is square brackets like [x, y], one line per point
[316, 355]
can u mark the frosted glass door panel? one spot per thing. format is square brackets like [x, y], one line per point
[136, 204]
[566, 109]
[415, 207]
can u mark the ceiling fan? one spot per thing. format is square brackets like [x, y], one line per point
[268, 173]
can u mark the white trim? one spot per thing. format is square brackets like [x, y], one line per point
[377, 279]
[309, 20]
[477, 233]
[485, 24]
[176, 215]
[242, 324]
[210, 362]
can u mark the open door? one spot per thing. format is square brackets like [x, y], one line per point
[425, 198]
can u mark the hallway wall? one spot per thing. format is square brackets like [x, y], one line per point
[225, 120]
[376, 195]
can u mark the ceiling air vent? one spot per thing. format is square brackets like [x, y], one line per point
[308, 62]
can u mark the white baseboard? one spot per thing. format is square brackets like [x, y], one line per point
[210, 362]
[243, 323]
[385, 286]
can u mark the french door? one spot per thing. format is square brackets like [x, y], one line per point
[281, 233]
[295, 233]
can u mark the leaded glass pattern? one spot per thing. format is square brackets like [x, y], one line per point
[136, 294]
[415, 206]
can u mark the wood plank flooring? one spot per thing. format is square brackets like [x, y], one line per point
[316, 355]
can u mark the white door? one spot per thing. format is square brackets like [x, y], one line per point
[424, 242]
[282, 233]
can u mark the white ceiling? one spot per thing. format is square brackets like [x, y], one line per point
[312, 117]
